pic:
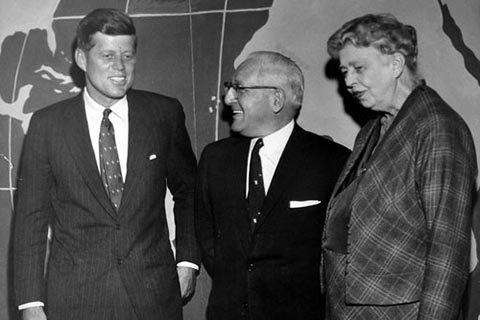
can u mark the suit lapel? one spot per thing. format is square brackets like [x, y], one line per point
[285, 172]
[139, 140]
[236, 171]
[78, 140]
[357, 151]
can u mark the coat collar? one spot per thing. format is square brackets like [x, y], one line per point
[285, 172]
[138, 142]
[408, 110]
[77, 137]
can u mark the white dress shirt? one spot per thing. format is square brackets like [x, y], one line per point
[119, 119]
[270, 153]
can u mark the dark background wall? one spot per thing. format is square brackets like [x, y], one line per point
[188, 48]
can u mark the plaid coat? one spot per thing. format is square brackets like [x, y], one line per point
[409, 230]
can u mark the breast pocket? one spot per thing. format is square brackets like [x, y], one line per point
[299, 204]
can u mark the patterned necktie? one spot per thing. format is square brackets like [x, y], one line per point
[109, 163]
[256, 190]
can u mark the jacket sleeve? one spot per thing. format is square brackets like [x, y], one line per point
[181, 182]
[32, 214]
[446, 173]
[204, 221]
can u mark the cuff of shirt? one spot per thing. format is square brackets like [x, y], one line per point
[30, 305]
[188, 264]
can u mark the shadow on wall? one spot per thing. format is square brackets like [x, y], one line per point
[451, 29]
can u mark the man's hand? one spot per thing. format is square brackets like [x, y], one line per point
[188, 278]
[34, 313]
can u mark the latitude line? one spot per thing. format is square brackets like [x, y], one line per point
[179, 14]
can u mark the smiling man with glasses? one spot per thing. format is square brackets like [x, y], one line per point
[261, 198]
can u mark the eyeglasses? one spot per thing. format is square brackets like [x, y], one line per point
[238, 88]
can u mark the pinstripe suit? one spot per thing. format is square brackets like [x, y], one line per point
[409, 229]
[93, 247]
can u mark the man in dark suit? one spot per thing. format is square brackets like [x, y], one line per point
[260, 214]
[96, 168]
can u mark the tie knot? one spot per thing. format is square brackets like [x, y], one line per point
[106, 113]
[105, 121]
[258, 145]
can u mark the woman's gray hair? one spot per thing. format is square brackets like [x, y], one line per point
[381, 31]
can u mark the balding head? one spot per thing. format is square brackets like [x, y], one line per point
[273, 68]
[265, 94]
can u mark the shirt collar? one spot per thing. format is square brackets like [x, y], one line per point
[119, 108]
[275, 142]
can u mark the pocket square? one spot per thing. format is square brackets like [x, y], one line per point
[303, 204]
[152, 157]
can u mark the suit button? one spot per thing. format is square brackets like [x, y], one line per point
[118, 226]
[243, 312]
[119, 260]
[251, 267]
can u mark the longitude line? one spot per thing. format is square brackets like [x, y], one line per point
[220, 59]
[14, 89]
[10, 167]
[193, 79]
[17, 71]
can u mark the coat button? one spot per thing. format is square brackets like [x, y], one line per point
[251, 267]
[244, 311]
[119, 260]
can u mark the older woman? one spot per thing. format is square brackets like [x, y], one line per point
[396, 241]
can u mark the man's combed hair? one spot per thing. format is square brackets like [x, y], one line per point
[277, 65]
[105, 20]
[381, 31]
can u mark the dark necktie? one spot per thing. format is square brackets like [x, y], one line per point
[109, 163]
[256, 190]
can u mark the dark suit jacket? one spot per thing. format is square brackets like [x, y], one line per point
[60, 185]
[409, 231]
[272, 273]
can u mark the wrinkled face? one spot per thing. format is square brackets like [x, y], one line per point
[109, 67]
[369, 76]
[252, 108]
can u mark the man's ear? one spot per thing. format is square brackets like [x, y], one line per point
[278, 100]
[81, 59]
[398, 64]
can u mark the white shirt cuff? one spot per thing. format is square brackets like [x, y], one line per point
[30, 305]
[188, 264]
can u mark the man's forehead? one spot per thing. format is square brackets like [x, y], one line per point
[248, 70]
[100, 34]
